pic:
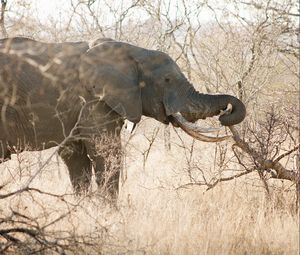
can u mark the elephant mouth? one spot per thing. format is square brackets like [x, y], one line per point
[195, 130]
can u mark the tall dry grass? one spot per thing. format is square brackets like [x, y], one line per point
[153, 215]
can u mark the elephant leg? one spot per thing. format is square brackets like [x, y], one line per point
[107, 159]
[5, 153]
[79, 165]
[5, 156]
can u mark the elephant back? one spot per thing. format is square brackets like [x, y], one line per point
[38, 89]
[56, 61]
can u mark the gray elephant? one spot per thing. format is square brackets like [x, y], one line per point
[78, 97]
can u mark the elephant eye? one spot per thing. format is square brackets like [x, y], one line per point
[167, 79]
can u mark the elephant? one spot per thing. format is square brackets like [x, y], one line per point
[77, 96]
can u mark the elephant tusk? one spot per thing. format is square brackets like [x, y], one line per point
[130, 126]
[193, 126]
[227, 111]
[82, 99]
[195, 131]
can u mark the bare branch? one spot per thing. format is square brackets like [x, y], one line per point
[287, 153]
[264, 164]
[279, 11]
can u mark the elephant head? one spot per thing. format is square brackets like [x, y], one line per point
[135, 81]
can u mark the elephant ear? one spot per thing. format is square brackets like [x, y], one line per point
[109, 72]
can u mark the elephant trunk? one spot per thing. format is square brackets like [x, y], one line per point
[201, 106]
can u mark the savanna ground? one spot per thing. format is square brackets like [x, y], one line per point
[177, 195]
[153, 215]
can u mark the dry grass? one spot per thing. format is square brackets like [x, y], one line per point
[152, 217]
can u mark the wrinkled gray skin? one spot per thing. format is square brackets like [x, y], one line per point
[40, 105]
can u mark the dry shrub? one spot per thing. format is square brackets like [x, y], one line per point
[153, 215]
[108, 147]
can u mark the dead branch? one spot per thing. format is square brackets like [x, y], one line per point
[265, 164]
[225, 179]
[287, 153]
[212, 185]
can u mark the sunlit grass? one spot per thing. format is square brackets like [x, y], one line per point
[152, 216]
